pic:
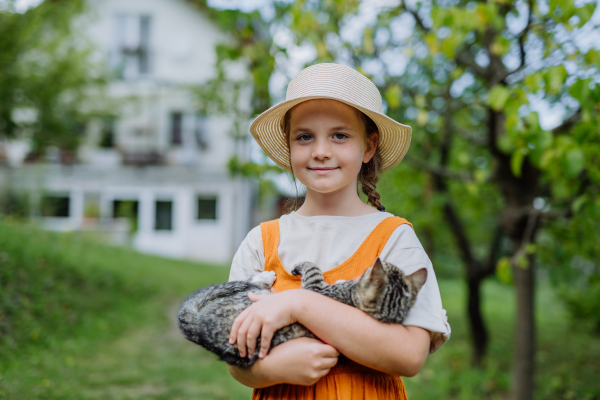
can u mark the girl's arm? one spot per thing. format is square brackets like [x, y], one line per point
[392, 348]
[301, 361]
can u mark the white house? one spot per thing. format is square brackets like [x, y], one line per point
[157, 162]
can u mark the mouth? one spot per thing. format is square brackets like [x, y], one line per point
[323, 170]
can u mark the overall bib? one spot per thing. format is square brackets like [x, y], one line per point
[347, 379]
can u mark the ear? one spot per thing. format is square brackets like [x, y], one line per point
[372, 141]
[372, 281]
[418, 278]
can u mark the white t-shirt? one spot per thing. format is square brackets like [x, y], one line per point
[328, 241]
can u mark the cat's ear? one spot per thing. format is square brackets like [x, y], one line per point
[372, 282]
[418, 278]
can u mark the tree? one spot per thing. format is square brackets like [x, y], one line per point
[468, 76]
[48, 83]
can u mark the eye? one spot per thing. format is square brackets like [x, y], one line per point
[339, 136]
[305, 137]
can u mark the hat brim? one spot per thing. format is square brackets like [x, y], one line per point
[394, 137]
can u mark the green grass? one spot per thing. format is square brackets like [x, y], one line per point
[568, 359]
[81, 320]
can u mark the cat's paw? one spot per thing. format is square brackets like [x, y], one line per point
[266, 277]
[298, 270]
[340, 281]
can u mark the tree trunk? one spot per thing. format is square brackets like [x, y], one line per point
[524, 364]
[479, 333]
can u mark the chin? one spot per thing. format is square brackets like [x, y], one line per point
[325, 188]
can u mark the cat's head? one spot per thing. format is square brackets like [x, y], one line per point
[386, 293]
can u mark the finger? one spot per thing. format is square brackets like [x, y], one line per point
[256, 297]
[330, 351]
[329, 363]
[237, 322]
[252, 336]
[242, 333]
[266, 336]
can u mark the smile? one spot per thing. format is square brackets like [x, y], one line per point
[323, 170]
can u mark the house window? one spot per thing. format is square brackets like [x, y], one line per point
[127, 209]
[163, 220]
[176, 128]
[201, 131]
[132, 45]
[207, 208]
[107, 133]
[56, 206]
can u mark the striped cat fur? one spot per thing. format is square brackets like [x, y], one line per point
[205, 317]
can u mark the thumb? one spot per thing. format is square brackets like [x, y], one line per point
[256, 297]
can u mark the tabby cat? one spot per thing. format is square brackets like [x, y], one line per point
[206, 316]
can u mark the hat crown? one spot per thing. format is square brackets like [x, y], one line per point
[337, 81]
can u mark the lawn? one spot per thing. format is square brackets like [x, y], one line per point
[81, 320]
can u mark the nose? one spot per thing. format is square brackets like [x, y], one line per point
[321, 149]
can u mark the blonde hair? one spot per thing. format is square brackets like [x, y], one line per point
[368, 175]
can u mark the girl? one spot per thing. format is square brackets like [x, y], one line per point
[331, 133]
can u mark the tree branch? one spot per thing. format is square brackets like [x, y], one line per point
[492, 127]
[528, 233]
[452, 216]
[522, 37]
[568, 123]
[467, 61]
[417, 18]
[476, 140]
[494, 251]
[438, 170]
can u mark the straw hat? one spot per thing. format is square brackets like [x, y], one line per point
[337, 82]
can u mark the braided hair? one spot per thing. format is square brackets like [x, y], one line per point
[368, 175]
[369, 172]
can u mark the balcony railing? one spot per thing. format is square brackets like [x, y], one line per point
[141, 159]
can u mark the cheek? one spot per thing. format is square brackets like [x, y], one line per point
[353, 157]
[298, 155]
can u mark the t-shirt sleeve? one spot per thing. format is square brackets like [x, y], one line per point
[249, 259]
[404, 250]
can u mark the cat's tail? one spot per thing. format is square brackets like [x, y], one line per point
[312, 276]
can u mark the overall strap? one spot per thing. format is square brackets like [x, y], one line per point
[270, 238]
[367, 253]
[352, 268]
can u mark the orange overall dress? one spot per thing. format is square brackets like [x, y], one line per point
[347, 380]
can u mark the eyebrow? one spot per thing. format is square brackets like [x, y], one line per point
[335, 128]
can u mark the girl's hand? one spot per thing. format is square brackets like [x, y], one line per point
[301, 361]
[269, 313]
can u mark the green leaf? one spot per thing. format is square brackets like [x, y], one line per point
[516, 161]
[422, 118]
[578, 203]
[544, 140]
[592, 57]
[575, 161]
[555, 78]
[504, 271]
[497, 97]
[393, 96]
[368, 44]
[585, 13]
[580, 90]
[506, 143]
[500, 46]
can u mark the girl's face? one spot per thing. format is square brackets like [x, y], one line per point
[328, 145]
